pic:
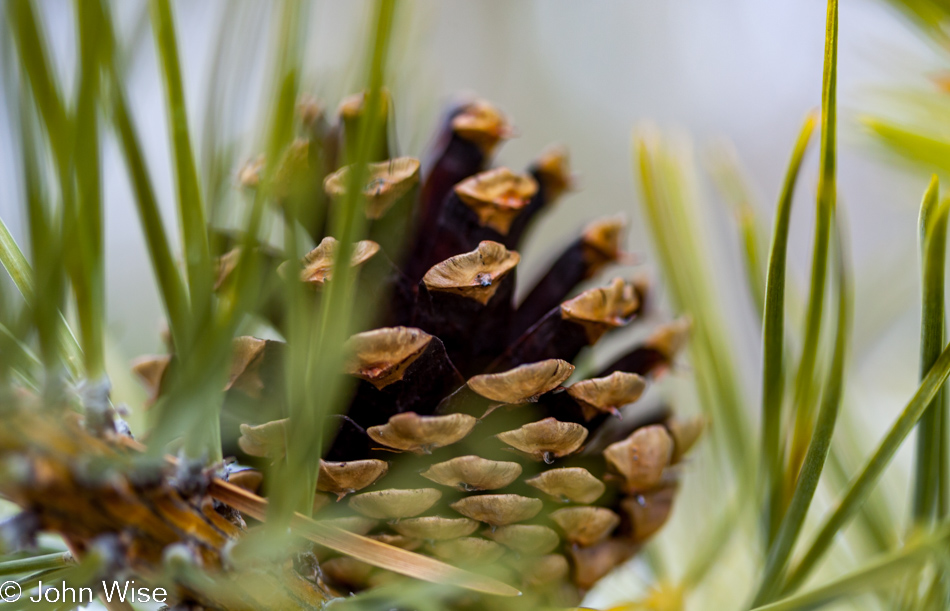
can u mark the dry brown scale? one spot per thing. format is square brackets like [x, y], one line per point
[464, 439]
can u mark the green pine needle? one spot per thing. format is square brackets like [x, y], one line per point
[933, 231]
[804, 393]
[877, 574]
[773, 338]
[191, 216]
[814, 462]
[35, 563]
[870, 474]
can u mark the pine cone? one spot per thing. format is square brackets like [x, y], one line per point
[462, 439]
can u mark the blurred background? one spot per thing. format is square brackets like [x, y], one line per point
[734, 76]
[738, 71]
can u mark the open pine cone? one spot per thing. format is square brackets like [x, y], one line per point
[463, 439]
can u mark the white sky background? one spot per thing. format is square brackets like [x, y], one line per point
[584, 74]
